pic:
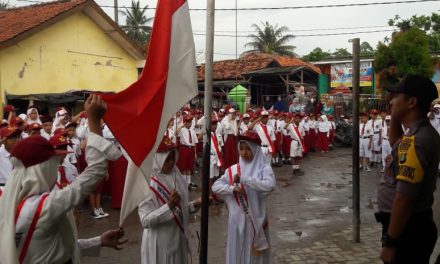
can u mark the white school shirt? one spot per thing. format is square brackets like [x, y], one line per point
[244, 127]
[368, 130]
[184, 135]
[47, 245]
[45, 134]
[376, 125]
[264, 140]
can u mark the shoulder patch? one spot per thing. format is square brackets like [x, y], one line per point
[410, 169]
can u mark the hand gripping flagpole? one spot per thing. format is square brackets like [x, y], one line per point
[207, 149]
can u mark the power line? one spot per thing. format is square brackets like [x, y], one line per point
[278, 8]
[301, 30]
[304, 35]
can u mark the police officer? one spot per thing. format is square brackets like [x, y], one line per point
[405, 194]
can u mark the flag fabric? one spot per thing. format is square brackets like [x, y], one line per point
[138, 115]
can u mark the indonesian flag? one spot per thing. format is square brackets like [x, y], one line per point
[138, 116]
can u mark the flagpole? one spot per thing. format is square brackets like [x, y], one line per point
[203, 259]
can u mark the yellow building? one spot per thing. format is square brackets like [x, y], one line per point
[56, 47]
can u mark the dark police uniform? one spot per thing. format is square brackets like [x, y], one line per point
[412, 171]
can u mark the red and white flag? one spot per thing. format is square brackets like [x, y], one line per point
[138, 116]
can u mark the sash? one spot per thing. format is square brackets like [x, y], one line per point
[29, 231]
[217, 150]
[269, 141]
[163, 195]
[299, 137]
[242, 202]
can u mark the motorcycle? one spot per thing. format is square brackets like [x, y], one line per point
[343, 133]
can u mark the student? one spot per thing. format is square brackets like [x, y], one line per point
[323, 129]
[267, 136]
[286, 139]
[386, 147]
[376, 125]
[297, 147]
[217, 162]
[66, 171]
[32, 116]
[230, 128]
[164, 215]
[188, 140]
[35, 171]
[365, 142]
[245, 187]
[9, 137]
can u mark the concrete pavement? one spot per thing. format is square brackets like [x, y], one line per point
[309, 218]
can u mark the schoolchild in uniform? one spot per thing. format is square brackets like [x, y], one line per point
[245, 187]
[376, 125]
[386, 147]
[365, 142]
[187, 139]
[323, 128]
[297, 147]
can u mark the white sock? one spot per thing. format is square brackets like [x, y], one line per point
[188, 179]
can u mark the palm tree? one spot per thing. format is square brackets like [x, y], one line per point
[271, 39]
[136, 23]
[4, 5]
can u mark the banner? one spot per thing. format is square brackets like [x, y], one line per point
[341, 74]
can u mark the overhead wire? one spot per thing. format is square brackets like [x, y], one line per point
[275, 8]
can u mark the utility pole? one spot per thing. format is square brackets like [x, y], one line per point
[209, 60]
[116, 12]
[355, 146]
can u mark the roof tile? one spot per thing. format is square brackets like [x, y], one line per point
[16, 21]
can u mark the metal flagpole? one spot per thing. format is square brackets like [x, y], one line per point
[116, 12]
[356, 185]
[203, 259]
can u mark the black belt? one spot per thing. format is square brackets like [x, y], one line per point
[385, 139]
[2, 184]
[376, 132]
[385, 218]
[264, 146]
[364, 137]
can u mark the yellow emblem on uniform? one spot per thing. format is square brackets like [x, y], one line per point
[410, 169]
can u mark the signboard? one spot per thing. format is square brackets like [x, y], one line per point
[341, 74]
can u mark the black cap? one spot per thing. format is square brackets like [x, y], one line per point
[418, 86]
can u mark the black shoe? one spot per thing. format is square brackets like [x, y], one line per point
[193, 185]
[300, 172]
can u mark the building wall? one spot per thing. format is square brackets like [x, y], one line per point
[73, 54]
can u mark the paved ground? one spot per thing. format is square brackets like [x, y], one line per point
[310, 218]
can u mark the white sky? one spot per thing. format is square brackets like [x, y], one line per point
[299, 19]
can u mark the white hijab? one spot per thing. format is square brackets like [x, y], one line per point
[29, 120]
[57, 121]
[256, 169]
[323, 126]
[22, 183]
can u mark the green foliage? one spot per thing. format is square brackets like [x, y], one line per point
[366, 49]
[428, 24]
[316, 55]
[408, 52]
[136, 23]
[341, 53]
[271, 39]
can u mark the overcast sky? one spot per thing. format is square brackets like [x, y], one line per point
[294, 19]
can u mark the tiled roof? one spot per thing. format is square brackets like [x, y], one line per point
[16, 21]
[233, 69]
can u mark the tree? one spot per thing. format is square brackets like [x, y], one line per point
[4, 5]
[317, 54]
[428, 24]
[366, 49]
[136, 23]
[271, 39]
[341, 53]
[408, 52]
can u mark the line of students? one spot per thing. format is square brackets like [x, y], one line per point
[285, 137]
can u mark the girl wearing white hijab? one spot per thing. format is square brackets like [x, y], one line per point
[245, 187]
[61, 119]
[36, 224]
[164, 215]
[32, 116]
